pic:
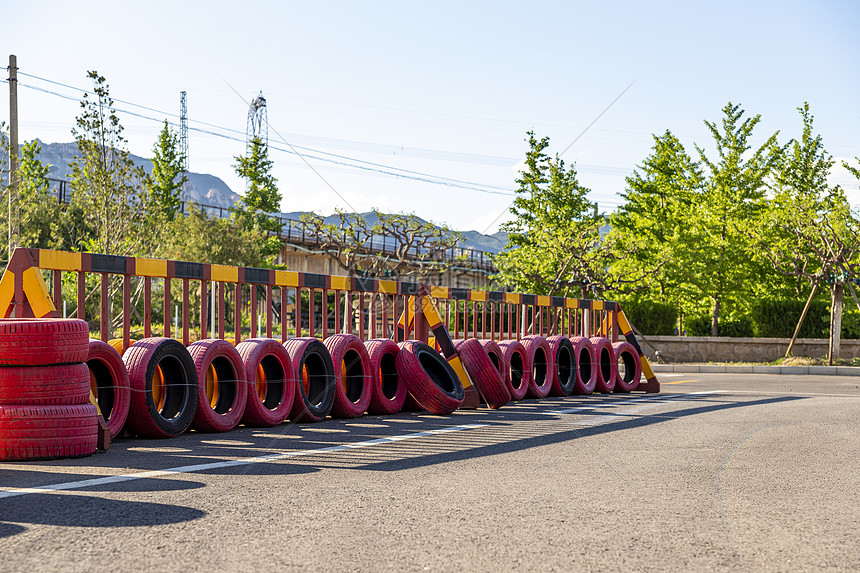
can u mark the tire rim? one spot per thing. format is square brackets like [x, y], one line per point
[212, 388]
[261, 382]
[158, 390]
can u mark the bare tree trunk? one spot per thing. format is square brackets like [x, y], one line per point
[802, 318]
[715, 318]
[835, 322]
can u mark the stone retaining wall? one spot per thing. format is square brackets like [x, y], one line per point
[679, 349]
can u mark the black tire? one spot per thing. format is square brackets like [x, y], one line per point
[564, 372]
[429, 378]
[313, 372]
[163, 388]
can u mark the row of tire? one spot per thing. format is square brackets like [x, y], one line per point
[159, 388]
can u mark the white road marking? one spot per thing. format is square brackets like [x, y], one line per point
[230, 463]
[660, 398]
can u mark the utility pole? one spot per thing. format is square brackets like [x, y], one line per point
[13, 153]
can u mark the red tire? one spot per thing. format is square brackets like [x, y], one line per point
[626, 354]
[497, 357]
[586, 365]
[564, 371]
[112, 388]
[43, 341]
[313, 371]
[388, 391]
[48, 432]
[517, 368]
[163, 388]
[543, 366]
[64, 384]
[429, 378]
[605, 364]
[484, 374]
[353, 384]
[222, 389]
[268, 372]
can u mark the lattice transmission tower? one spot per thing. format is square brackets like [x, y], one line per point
[183, 141]
[258, 122]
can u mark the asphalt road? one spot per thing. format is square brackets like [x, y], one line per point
[718, 472]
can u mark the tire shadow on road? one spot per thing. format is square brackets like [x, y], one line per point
[466, 447]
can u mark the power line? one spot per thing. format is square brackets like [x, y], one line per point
[331, 158]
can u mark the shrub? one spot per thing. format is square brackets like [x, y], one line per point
[777, 318]
[651, 317]
[737, 326]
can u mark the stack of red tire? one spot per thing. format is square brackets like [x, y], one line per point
[44, 390]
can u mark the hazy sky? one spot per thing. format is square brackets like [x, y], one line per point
[444, 89]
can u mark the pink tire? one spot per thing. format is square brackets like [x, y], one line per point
[495, 353]
[605, 364]
[517, 368]
[112, 388]
[222, 388]
[269, 375]
[626, 354]
[483, 373]
[586, 365]
[352, 388]
[388, 391]
[429, 378]
[543, 366]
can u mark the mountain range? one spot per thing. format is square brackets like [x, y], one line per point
[210, 190]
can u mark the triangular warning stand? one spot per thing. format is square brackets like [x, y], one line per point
[651, 385]
[23, 292]
[434, 321]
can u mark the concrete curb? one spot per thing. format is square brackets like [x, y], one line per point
[758, 369]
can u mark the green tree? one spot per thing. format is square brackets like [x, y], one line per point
[168, 176]
[106, 185]
[556, 241]
[657, 203]
[808, 231]
[39, 211]
[199, 237]
[262, 198]
[717, 257]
